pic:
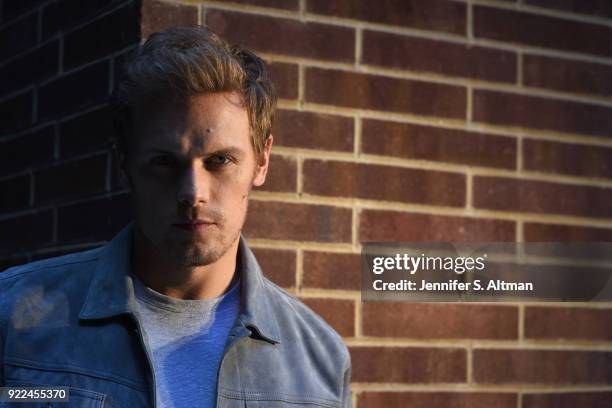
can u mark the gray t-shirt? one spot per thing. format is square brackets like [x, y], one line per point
[186, 339]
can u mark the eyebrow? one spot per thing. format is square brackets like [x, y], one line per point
[232, 150]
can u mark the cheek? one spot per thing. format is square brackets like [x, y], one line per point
[232, 195]
[152, 197]
[155, 186]
[236, 185]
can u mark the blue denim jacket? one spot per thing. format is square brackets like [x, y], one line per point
[70, 321]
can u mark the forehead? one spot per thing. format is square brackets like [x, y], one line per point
[200, 122]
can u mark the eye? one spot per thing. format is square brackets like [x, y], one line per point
[162, 160]
[218, 160]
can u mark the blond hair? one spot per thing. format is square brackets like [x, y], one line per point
[186, 61]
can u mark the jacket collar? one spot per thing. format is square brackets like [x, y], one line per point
[111, 289]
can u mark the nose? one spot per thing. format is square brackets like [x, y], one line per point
[194, 186]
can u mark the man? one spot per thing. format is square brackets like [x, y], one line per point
[174, 311]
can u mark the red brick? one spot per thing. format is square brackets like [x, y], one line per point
[282, 175]
[541, 366]
[59, 182]
[541, 31]
[32, 68]
[278, 265]
[567, 75]
[79, 90]
[568, 324]
[374, 182]
[298, 222]
[408, 365]
[284, 36]
[94, 220]
[338, 313]
[16, 113]
[16, 193]
[363, 91]
[313, 130]
[437, 399]
[18, 36]
[285, 78]
[436, 15]
[439, 321]
[329, 270]
[419, 142]
[12, 9]
[537, 232]
[26, 232]
[31, 149]
[541, 197]
[392, 226]
[601, 8]
[591, 399]
[96, 39]
[567, 158]
[86, 133]
[541, 113]
[65, 14]
[439, 57]
[157, 15]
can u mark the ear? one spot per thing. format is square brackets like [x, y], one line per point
[263, 162]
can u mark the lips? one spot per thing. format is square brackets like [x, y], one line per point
[193, 225]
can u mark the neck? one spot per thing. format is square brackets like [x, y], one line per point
[177, 281]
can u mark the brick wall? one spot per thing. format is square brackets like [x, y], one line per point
[58, 62]
[420, 120]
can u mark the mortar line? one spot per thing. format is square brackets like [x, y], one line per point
[469, 187]
[470, 21]
[301, 85]
[470, 365]
[358, 318]
[358, 46]
[300, 176]
[200, 18]
[299, 270]
[521, 323]
[357, 137]
[519, 69]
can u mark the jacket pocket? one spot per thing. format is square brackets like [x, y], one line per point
[253, 399]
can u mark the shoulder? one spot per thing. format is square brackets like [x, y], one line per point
[39, 269]
[49, 285]
[61, 276]
[298, 321]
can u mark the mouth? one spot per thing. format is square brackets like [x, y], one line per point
[196, 225]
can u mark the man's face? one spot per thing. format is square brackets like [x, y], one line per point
[191, 166]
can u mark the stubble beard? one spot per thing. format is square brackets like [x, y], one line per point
[198, 252]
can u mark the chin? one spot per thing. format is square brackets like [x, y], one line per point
[202, 258]
[196, 250]
[192, 255]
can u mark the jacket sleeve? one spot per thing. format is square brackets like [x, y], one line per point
[1, 355]
[346, 387]
[2, 329]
